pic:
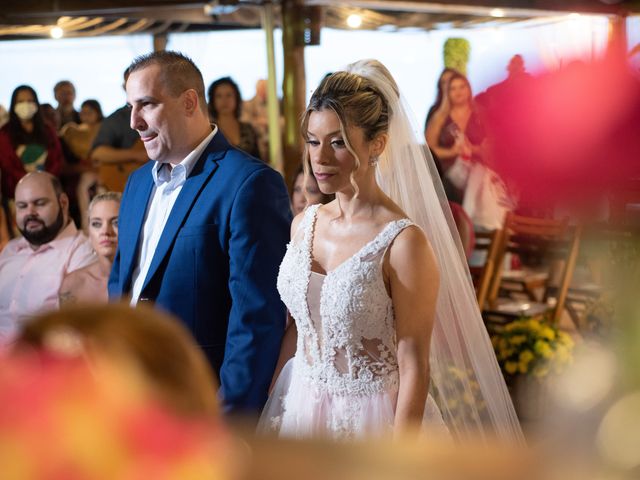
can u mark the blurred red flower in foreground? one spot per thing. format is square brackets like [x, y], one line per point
[66, 418]
[569, 135]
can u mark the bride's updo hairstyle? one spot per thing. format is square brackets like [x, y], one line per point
[357, 103]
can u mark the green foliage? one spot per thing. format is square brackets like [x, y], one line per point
[456, 54]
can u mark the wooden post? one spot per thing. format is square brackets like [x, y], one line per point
[617, 46]
[160, 42]
[273, 109]
[293, 84]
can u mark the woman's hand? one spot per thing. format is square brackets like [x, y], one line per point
[445, 105]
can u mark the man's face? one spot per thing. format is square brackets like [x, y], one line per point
[65, 95]
[159, 117]
[40, 213]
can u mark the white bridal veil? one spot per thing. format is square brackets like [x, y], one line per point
[466, 380]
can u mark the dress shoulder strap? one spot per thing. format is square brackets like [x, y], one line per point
[386, 237]
[306, 225]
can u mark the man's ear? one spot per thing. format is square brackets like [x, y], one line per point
[63, 199]
[191, 101]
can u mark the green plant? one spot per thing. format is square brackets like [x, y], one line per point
[456, 54]
[532, 347]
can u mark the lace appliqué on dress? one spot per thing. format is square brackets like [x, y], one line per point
[351, 351]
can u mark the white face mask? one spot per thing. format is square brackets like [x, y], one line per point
[25, 110]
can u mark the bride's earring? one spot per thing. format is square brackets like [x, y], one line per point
[373, 161]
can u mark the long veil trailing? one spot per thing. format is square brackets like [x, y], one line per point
[466, 380]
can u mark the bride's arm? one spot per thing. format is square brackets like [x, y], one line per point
[287, 349]
[288, 345]
[413, 280]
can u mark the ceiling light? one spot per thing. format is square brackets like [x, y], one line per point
[497, 12]
[56, 32]
[354, 20]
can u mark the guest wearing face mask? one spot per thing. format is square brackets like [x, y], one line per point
[27, 143]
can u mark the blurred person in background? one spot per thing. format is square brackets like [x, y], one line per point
[225, 107]
[50, 116]
[255, 112]
[552, 144]
[4, 116]
[306, 191]
[27, 143]
[89, 284]
[79, 177]
[79, 137]
[455, 134]
[119, 393]
[32, 267]
[160, 349]
[65, 94]
[443, 81]
[117, 149]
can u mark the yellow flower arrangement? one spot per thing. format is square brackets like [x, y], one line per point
[532, 347]
[460, 399]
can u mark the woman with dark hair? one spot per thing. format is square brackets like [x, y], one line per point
[79, 176]
[225, 105]
[455, 131]
[26, 142]
[78, 138]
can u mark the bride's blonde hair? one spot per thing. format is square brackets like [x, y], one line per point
[356, 102]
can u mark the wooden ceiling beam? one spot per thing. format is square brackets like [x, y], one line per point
[20, 13]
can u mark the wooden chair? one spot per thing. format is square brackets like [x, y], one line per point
[550, 249]
[487, 244]
[464, 226]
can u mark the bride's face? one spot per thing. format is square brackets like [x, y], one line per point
[332, 163]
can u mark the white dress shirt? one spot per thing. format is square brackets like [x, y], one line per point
[168, 185]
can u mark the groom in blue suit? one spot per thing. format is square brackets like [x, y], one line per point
[202, 230]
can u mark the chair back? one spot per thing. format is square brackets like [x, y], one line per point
[549, 244]
[487, 245]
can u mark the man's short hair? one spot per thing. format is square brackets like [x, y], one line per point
[179, 73]
[62, 83]
[57, 186]
[55, 181]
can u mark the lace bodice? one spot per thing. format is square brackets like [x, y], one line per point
[349, 346]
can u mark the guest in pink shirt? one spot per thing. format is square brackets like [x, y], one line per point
[32, 267]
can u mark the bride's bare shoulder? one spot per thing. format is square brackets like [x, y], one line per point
[410, 249]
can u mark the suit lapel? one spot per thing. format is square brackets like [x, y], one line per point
[139, 202]
[203, 170]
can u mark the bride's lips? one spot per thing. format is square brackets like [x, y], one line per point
[323, 176]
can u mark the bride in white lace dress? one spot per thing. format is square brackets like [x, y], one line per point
[361, 281]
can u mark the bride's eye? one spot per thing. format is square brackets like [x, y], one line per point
[315, 143]
[338, 143]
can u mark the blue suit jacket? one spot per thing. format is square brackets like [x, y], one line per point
[216, 264]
